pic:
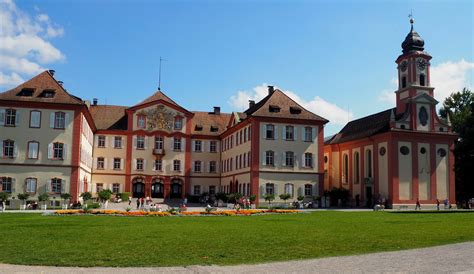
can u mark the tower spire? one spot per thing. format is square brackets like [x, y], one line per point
[411, 19]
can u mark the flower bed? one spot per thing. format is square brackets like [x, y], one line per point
[244, 212]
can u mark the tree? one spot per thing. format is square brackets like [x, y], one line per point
[86, 196]
[285, 196]
[104, 196]
[44, 197]
[269, 198]
[4, 198]
[23, 197]
[459, 108]
[65, 197]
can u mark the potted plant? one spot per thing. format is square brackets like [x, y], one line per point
[23, 197]
[4, 198]
[66, 197]
[269, 198]
[104, 196]
[44, 197]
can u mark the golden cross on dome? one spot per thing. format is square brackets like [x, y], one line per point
[411, 17]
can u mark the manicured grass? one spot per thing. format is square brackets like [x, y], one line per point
[169, 241]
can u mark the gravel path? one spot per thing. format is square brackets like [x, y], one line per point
[448, 258]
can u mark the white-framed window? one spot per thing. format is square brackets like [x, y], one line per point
[59, 120]
[197, 190]
[270, 188]
[101, 141]
[35, 119]
[158, 142]
[308, 134]
[139, 164]
[9, 149]
[289, 158]
[289, 133]
[10, 117]
[56, 185]
[7, 184]
[176, 165]
[212, 167]
[177, 144]
[116, 188]
[198, 145]
[117, 163]
[308, 190]
[140, 142]
[158, 165]
[290, 189]
[178, 123]
[30, 185]
[141, 121]
[117, 142]
[213, 146]
[100, 163]
[308, 159]
[270, 131]
[58, 151]
[269, 158]
[197, 166]
[33, 148]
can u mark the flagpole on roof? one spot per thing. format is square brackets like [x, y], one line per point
[159, 74]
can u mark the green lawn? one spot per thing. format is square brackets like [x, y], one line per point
[169, 241]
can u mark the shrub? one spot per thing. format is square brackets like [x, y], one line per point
[269, 197]
[124, 196]
[193, 198]
[231, 198]
[221, 196]
[93, 206]
[105, 194]
[285, 196]
[300, 198]
[86, 196]
[4, 196]
[252, 198]
[66, 196]
[23, 196]
[43, 197]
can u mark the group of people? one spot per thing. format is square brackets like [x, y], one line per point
[447, 204]
[146, 204]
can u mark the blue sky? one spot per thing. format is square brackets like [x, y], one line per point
[336, 57]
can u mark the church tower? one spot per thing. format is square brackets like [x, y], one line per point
[415, 94]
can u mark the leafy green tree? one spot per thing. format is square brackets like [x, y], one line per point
[105, 194]
[43, 197]
[459, 108]
[4, 196]
[269, 198]
[285, 196]
[86, 196]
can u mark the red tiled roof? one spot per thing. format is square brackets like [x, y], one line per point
[159, 95]
[109, 117]
[206, 120]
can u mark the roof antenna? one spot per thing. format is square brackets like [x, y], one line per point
[159, 76]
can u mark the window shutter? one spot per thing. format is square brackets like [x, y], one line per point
[2, 117]
[314, 134]
[65, 151]
[121, 164]
[63, 186]
[172, 143]
[95, 163]
[1, 149]
[264, 129]
[193, 145]
[313, 158]
[315, 189]
[144, 164]
[264, 156]
[47, 187]
[283, 159]
[66, 120]
[106, 138]
[300, 191]
[135, 142]
[15, 150]
[51, 120]
[193, 166]
[134, 164]
[295, 133]
[13, 185]
[217, 146]
[50, 151]
[183, 145]
[145, 142]
[303, 158]
[96, 141]
[283, 132]
[275, 189]
[112, 141]
[153, 166]
[276, 132]
[295, 160]
[303, 132]
[17, 118]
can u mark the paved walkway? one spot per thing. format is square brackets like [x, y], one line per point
[441, 259]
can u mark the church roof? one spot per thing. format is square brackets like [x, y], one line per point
[364, 127]
[413, 41]
[41, 88]
[283, 107]
[109, 117]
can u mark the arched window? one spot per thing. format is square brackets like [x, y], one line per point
[404, 82]
[368, 160]
[422, 80]
[345, 178]
[356, 168]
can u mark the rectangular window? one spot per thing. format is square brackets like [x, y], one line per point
[56, 185]
[59, 120]
[269, 158]
[8, 149]
[308, 134]
[141, 121]
[6, 184]
[270, 132]
[270, 189]
[116, 188]
[100, 163]
[33, 150]
[58, 151]
[290, 189]
[158, 165]
[289, 159]
[212, 190]
[140, 142]
[101, 141]
[178, 123]
[198, 145]
[197, 190]
[35, 119]
[117, 142]
[308, 190]
[308, 160]
[139, 164]
[176, 165]
[212, 167]
[213, 146]
[99, 187]
[289, 133]
[158, 142]
[177, 144]
[10, 117]
[197, 166]
[30, 186]
[117, 163]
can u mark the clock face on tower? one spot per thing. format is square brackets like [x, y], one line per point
[404, 65]
[421, 63]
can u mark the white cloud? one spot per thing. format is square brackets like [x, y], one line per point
[25, 45]
[317, 105]
[446, 78]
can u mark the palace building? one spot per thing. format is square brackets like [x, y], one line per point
[55, 142]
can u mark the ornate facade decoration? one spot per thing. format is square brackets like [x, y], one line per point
[158, 118]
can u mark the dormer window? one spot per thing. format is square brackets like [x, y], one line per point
[26, 92]
[47, 93]
[214, 129]
[295, 110]
[274, 109]
[198, 128]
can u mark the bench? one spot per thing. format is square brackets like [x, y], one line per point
[405, 207]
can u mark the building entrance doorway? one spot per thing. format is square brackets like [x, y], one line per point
[138, 189]
[157, 189]
[176, 189]
[368, 196]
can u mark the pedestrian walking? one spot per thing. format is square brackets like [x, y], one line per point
[418, 205]
[138, 203]
[437, 204]
[129, 200]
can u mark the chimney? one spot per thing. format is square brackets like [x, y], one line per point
[94, 101]
[52, 71]
[217, 110]
[271, 89]
[251, 103]
[60, 83]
